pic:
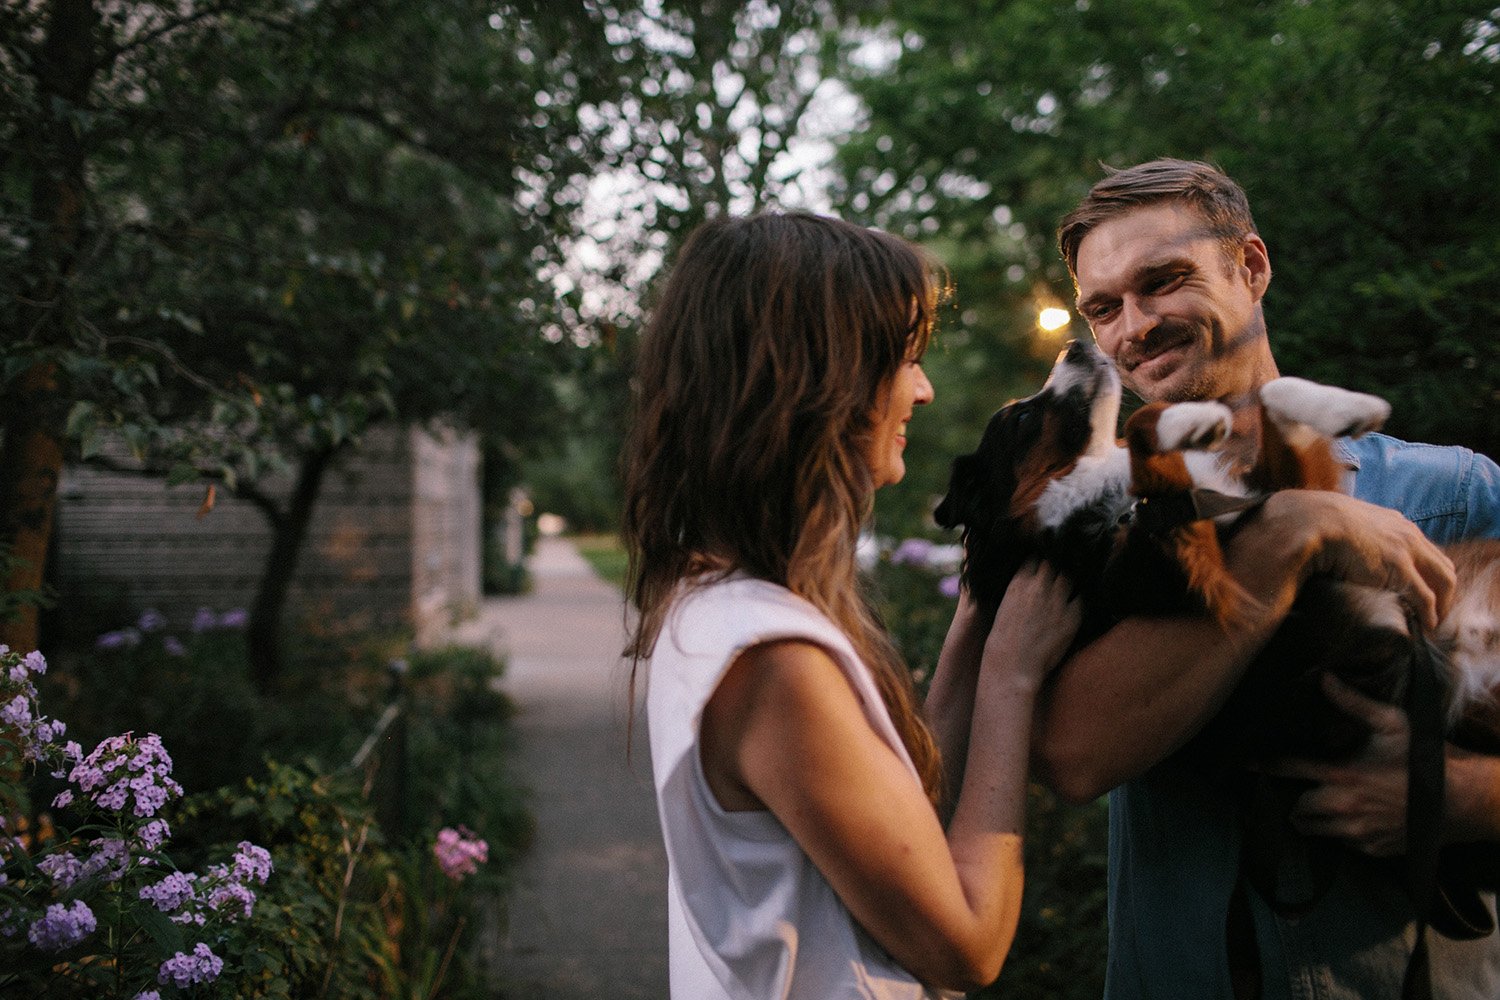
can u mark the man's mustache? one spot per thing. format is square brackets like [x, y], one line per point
[1167, 334]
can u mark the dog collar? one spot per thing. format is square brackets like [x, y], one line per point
[1161, 514]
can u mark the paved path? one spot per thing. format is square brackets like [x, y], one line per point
[587, 915]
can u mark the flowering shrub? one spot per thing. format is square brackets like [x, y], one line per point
[109, 867]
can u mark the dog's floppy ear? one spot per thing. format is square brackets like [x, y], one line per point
[957, 507]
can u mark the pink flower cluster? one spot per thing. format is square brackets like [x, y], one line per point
[459, 853]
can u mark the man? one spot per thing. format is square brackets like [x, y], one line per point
[1170, 275]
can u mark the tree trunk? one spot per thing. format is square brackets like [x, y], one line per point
[288, 531]
[30, 464]
[31, 436]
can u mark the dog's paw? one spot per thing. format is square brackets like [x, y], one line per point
[1193, 426]
[1326, 409]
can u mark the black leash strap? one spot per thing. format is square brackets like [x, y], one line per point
[1425, 780]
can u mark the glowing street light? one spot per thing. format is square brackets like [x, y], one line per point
[1052, 318]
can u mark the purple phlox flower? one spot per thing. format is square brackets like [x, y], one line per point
[173, 646]
[72, 753]
[203, 620]
[22, 668]
[912, 552]
[62, 926]
[184, 970]
[233, 900]
[175, 895]
[62, 799]
[948, 585]
[150, 621]
[125, 638]
[63, 868]
[252, 863]
[154, 834]
[122, 767]
[35, 733]
[459, 853]
[234, 618]
[147, 995]
[17, 713]
[945, 558]
[110, 860]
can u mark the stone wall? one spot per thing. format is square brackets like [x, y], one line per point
[394, 540]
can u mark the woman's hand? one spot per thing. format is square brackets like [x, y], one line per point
[1034, 627]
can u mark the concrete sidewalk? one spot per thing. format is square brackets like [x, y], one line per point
[587, 915]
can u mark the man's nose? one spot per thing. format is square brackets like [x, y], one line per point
[1136, 320]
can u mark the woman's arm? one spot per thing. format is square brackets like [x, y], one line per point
[785, 730]
[949, 707]
[1129, 699]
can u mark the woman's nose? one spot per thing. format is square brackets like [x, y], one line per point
[925, 392]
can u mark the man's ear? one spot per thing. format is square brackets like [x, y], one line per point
[1258, 264]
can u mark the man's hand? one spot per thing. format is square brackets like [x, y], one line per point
[1361, 801]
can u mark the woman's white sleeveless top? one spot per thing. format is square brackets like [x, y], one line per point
[749, 915]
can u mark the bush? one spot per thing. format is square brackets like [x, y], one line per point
[101, 908]
[369, 898]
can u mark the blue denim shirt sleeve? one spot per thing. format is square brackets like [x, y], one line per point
[1451, 493]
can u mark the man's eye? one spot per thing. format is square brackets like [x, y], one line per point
[1167, 284]
[1100, 313]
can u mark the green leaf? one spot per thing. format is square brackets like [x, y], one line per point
[182, 472]
[166, 935]
[80, 418]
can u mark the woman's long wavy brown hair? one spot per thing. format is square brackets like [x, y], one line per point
[770, 347]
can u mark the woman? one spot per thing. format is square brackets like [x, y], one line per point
[798, 786]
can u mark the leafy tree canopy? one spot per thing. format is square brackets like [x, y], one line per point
[1364, 133]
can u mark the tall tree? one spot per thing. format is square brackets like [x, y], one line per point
[290, 221]
[723, 114]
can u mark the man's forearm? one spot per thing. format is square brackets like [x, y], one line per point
[1132, 697]
[1473, 796]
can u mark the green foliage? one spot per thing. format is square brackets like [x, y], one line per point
[12, 601]
[188, 685]
[1062, 939]
[457, 742]
[324, 905]
[1361, 131]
